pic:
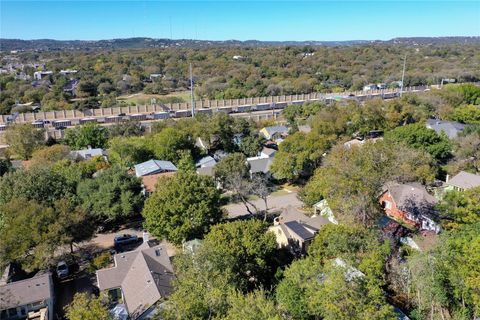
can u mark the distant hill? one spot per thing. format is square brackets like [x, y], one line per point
[145, 43]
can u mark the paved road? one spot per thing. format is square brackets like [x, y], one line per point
[275, 203]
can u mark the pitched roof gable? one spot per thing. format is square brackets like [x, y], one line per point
[465, 180]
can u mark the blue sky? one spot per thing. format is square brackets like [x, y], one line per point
[242, 20]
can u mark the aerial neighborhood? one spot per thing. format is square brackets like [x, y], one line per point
[142, 179]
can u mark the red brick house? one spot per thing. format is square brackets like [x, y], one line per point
[410, 204]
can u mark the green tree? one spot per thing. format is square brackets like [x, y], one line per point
[251, 306]
[251, 145]
[31, 233]
[23, 139]
[87, 135]
[49, 155]
[40, 184]
[320, 286]
[182, 207]
[467, 114]
[85, 307]
[128, 152]
[445, 281]
[299, 154]
[234, 257]
[113, 194]
[420, 137]
[232, 172]
[352, 178]
[459, 208]
[169, 143]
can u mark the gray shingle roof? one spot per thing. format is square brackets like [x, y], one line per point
[88, 153]
[276, 129]
[153, 166]
[207, 161]
[26, 291]
[268, 152]
[450, 128]
[465, 180]
[144, 275]
[298, 229]
[259, 164]
[412, 197]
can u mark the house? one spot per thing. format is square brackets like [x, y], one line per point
[31, 298]
[68, 72]
[295, 231]
[359, 142]
[39, 75]
[268, 152]
[71, 87]
[463, 181]
[88, 153]
[260, 164]
[151, 167]
[410, 204]
[155, 76]
[274, 132]
[370, 87]
[207, 161]
[139, 278]
[450, 128]
[206, 171]
[321, 208]
[149, 182]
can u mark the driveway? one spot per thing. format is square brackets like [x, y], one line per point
[104, 241]
[275, 203]
[64, 290]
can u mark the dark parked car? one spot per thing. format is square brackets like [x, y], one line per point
[124, 239]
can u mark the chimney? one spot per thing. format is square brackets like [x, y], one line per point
[146, 236]
[447, 178]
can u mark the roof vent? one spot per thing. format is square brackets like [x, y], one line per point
[157, 252]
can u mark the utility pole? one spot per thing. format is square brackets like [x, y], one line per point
[191, 91]
[403, 73]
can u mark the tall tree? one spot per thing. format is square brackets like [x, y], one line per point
[43, 185]
[87, 307]
[87, 135]
[113, 194]
[234, 257]
[459, 208]
[182, 207]
[420, 137]
[351, 179]
[23, 139]
[31, 233]
[169, 143]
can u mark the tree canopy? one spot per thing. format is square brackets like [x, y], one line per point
[182, 207]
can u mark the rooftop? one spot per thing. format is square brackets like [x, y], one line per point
[26, 291]
[144, 275]
[411, 197]
[153, 166]
[451, 128]
[465, 180]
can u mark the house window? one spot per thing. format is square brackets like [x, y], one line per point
[12, 312]
[387, 204]
[35, 305]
